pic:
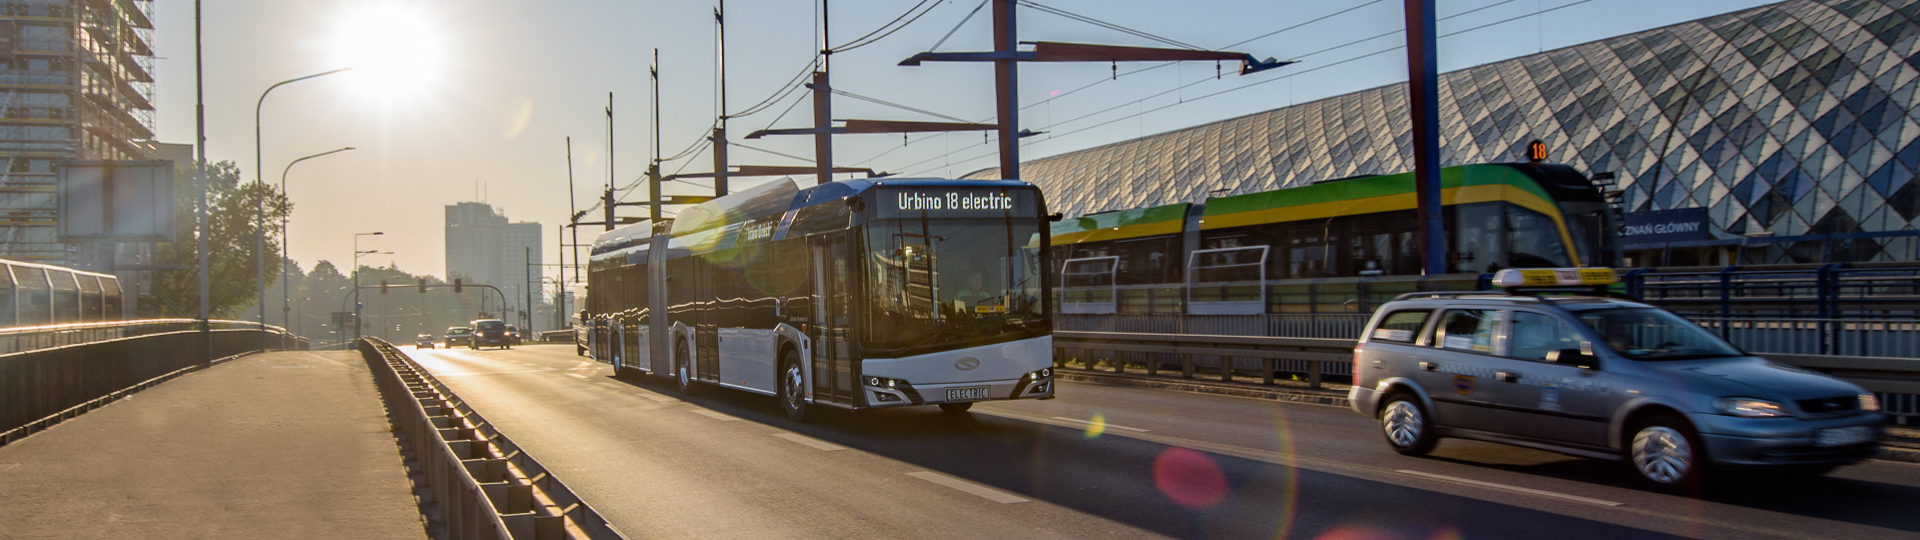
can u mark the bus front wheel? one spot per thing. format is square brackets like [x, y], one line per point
[793, 387]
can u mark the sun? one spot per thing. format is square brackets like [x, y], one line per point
[395, 51]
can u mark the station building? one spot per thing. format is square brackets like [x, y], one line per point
[1786, 133]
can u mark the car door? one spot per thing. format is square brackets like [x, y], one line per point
[1459, 368]
[1560, 403]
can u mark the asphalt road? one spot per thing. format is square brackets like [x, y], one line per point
[1099, 461]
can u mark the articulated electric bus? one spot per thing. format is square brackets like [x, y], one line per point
[854, 294]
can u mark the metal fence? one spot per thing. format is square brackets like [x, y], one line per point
[483, 484]
[29, 338]
[41, 387]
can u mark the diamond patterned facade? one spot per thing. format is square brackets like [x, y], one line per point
[1787, 122]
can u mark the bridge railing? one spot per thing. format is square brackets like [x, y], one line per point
[42, 386]
[482, 483]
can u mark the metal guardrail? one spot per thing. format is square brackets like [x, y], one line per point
[28, 338]
[1314, 357]
[485, 486]
[42, 387]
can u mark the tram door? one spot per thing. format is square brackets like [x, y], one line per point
[833, 319]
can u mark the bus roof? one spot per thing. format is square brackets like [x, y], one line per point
[715, 224]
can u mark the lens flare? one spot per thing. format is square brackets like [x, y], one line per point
[1189, 478]
[1096, 427]
[1358, 532]
[519, 118]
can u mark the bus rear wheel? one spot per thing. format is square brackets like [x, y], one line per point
[793, 387]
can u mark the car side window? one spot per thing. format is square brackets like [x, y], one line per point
[1401, 326]
[1467, 330]
[1532, 335]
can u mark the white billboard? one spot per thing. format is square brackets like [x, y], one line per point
[116, 201]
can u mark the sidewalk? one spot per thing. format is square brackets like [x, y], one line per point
[276, 445]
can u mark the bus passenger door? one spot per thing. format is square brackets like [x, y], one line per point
[832, 316]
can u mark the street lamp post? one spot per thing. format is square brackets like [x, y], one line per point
[356, 285]
[286, 298]
[356, 277]
[260, 204]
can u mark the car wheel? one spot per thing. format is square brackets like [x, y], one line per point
[1407, 426]
[955, 408]
[793, 387]
[682, 373]
[1665, 454]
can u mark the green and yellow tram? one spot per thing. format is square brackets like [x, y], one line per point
[1277, 251]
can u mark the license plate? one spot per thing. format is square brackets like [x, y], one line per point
[967, 394]
[1841, 436]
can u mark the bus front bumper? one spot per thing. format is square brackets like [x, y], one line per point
[898, 393]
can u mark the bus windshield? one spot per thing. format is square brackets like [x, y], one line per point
[944, 283]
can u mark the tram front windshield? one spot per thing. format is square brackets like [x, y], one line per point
[942, 283]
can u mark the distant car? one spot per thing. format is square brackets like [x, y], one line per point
[423, 341]
[489, 333]
[459, 335]
[1598, 376]
[513, 335]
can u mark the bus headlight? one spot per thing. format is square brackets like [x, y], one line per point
[1869, 402]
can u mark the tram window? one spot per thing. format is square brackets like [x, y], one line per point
[1478, 243]
[1306, 252]
[1144, 261]
[1535, 240]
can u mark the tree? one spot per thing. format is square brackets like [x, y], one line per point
[231, 228]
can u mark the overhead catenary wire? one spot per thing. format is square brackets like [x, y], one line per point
[956, 27]
[879, 101]
[1253, 84]
[1103, 24]
[1117, 76]
[785, 89]
[870, 38]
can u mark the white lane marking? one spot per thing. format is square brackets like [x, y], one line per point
[817, 444]
[1511, 488]
[470, 373]
[714, 415]
[968, 487]
[1114, 426]
[576, 375]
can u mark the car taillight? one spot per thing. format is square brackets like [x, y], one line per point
[1356, 361]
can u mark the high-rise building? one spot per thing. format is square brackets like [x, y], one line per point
[483, 247]
[75, 83]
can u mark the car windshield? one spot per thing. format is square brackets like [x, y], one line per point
[1654, 334]
[490, 325]
[459, 330]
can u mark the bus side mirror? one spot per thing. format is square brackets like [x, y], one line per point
[1573, 358]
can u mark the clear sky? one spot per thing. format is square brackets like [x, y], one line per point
[461, 100]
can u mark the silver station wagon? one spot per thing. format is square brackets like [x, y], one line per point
[1597, 376]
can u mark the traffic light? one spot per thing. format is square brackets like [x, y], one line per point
[456, 285]
[383, 286]
[423, 285]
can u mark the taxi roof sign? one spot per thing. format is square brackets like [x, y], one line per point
[1554, 277]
